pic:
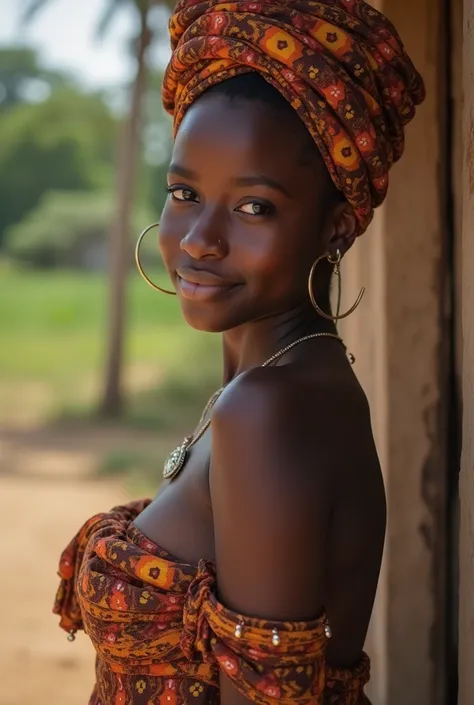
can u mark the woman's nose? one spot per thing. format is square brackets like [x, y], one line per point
[204, 240]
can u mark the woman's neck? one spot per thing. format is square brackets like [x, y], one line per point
[251, 344]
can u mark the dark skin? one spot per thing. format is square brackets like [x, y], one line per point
[286, 482]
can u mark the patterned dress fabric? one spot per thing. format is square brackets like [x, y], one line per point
[162, 637]
[339, 63]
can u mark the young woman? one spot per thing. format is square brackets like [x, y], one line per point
[252, 575]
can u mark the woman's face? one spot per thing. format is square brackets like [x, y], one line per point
[243, 221]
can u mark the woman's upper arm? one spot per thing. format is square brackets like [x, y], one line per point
[270, 506]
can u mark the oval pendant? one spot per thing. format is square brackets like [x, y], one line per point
[176, 460]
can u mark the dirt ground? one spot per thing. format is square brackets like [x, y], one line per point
[46, 492]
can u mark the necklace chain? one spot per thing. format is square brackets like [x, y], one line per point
[177, 459]
[282, 352]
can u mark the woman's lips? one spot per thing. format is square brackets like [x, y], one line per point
[203, 292]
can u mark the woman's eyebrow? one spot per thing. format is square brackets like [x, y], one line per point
[182, 171]
[256, 180]
[260, 180]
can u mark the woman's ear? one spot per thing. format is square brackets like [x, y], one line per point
[343, 228]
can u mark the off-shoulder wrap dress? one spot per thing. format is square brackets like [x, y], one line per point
[162, 636]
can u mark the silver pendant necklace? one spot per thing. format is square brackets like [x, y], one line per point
[177, 459]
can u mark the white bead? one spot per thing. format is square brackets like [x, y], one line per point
[327, 631]
[238, 631]
[275, 638]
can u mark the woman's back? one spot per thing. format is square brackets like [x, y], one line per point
[323, 424]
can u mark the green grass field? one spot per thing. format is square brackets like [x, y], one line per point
[53, 336]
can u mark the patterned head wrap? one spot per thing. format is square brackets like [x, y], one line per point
[339, 63]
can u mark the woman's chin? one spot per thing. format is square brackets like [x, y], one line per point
[204, 321]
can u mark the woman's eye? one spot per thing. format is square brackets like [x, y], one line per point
[255, 208]
[183, 194]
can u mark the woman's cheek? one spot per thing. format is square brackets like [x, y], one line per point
[170, 236]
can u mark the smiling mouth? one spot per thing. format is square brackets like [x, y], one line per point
[203, 292]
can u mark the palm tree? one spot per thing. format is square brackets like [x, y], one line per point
[129, 146]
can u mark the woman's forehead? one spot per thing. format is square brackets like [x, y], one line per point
[241, 135]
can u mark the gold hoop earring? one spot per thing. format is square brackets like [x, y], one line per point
[335, 261]
[139, 264]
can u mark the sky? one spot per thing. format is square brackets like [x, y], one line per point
[63, 33]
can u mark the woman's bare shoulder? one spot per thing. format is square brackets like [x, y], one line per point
[311, 423]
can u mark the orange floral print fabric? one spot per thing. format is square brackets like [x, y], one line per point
[161, 635]
[339, 63]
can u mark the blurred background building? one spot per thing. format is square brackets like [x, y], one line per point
[99, 376]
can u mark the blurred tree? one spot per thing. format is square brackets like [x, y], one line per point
[158, 143]
[22, 79]
[67, 142]
[129, 145]
[69, 229]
